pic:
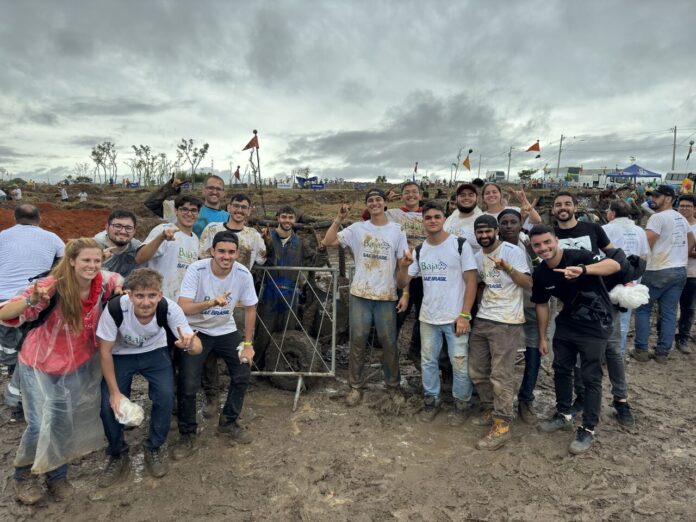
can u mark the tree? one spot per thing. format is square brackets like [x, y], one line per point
[104, 156]
[83, 179]
[146, 163]
[526, 174]
[82, 170]
[194, 155]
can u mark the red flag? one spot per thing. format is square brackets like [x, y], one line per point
[534, 147]
[253, 144]
[237, 175]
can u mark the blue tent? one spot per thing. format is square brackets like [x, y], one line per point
[633, 171]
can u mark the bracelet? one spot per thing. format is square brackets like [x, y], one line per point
[27, 300]
[584, 269]
[465, 315]
[509, 269]
[247, 343]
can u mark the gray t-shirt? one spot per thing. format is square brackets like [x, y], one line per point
[123, 262]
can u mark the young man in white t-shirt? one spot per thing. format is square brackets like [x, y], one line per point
[139, 345]
[670, 239]
[170, 249]
[209, 292]
[497, 330]
[461, 222]
[448, 271]
[377, 245]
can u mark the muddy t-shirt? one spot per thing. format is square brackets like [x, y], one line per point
[411, 223]
[252, 249]
[671, 248]
[464, 227]
[376, 250]
[629, 237]
[173, 258]
[586, 306]
[583, 236]
[503, 299]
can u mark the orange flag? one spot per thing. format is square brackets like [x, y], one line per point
[534, 147]
[254, 143]
[467, 162]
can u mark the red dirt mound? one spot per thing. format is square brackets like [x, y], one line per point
[67, 223]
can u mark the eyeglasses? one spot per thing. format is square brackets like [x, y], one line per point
[685, 207]
[188, 210]
[237, 206]
[119, 227]
[214, 189]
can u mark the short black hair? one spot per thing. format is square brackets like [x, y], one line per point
[407, 183]
[213, 176]
[240, 197]
[226, 236]
[27, 212]
[688, 197]
[287, 209]
[188, 198]
[566, 193]
[478, 182]
[620, 208]
[120, 213]
[538, 230]
[432, 205]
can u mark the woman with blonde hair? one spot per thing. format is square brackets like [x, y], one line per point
[59, 373]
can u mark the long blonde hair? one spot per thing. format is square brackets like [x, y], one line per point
[67, 287]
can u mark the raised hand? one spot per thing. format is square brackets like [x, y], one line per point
[500, 263]
[221, 300]
[168, 233]
[570, 272]
[185, 341]
[108, 252]
[406, 260]
[41, 293]
[343, 211]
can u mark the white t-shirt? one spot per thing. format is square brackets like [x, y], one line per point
[442, 267]
[376, 250]
[464, 227]
[691, 266]
[502, 300]
[671, 248]
[134, 337]
[252, 249]
[411, 223]
[63, 194]
[17, 194]
[629, 237]
[173, 258]
[83, 196]
[200, 284]
[25, 251]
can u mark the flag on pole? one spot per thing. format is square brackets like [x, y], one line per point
[253, 144]
[237, 175]
[535, 147]
[691, 144]
[415, 171]
[467, 161]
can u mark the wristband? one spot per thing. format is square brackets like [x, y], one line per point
[584, 269]
[247, 343]
[509, 269]
[465, 315]
[28, 302]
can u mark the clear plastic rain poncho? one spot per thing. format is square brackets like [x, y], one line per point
[60, 378]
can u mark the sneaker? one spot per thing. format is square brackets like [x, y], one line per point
[154, 463]
[485, 419]
[16, 415]
[61, 490]
[184, 447]
[557, 422]
[236, 433]
[354, 397]
[29, 491]
[684, 348]
[661, 358]
[431, 407]
[583, 441]
[640, 355]
[211, 408]
[396, 396]
[459, 413]
[115, 471]
[526, 412]
[497, 437]
[623, 413]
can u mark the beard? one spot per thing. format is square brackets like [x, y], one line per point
[466, 210]
[564, 219]
[119, 242]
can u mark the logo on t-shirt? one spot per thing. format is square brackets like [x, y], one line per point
[576, 243]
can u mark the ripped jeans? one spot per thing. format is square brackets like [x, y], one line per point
[458, 347]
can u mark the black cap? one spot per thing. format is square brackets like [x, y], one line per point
[376, 192]
[485, 221]
[665, 190]
[468, 186]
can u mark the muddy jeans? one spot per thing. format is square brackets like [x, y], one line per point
[415, 301]
[431, 344]
[363, 313]
[492, 351]
[211, 372]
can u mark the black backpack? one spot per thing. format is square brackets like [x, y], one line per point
[632, 268]
[460, 246]
[114, 307]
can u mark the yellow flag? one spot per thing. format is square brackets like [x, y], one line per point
[467, 163]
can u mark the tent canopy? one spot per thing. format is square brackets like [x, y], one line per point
[634, 171]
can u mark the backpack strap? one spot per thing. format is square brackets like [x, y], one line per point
[161, 315]
[114, 307]
[418, 249]
[460, 246]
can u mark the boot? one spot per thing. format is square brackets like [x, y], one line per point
[526, 412]
[497, 437]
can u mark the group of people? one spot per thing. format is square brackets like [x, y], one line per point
[79, 320]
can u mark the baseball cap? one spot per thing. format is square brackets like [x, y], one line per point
[467, 186]
[376, 192]
[485, 221]
[665, 190]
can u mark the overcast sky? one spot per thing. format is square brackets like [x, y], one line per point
[349, 89]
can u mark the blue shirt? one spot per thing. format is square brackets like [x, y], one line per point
[209, 215]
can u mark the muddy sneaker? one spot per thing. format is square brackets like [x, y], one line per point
[497, 437]
[459, 413]
[431, 407]
[623, 413]
[61, 490]
[583, 441]
[640, 355]
[211, 408]
[115, 471]
[28, 491]
[184, 447]
[396, 396]
[526, 412]
[485, 419]
[661, 358]
[154, 463]
[684, 348]
[236, 433]
[557, 422]
[354, 397]
[16, 415]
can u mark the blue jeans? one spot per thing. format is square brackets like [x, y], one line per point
[363, 313]
[458, 348]
[190, 370]
[625, 318]
[665, 289]
[156, 368]
[24, 472]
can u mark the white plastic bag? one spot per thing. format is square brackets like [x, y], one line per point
[630, 297]
[131, 414]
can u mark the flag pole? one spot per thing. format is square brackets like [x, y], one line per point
[258, 169]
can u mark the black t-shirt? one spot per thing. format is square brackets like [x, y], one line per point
[583, 236]
[586, 305]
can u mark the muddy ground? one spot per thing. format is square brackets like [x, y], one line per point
[326, 462]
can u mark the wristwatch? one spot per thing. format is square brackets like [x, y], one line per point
[28, 301]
